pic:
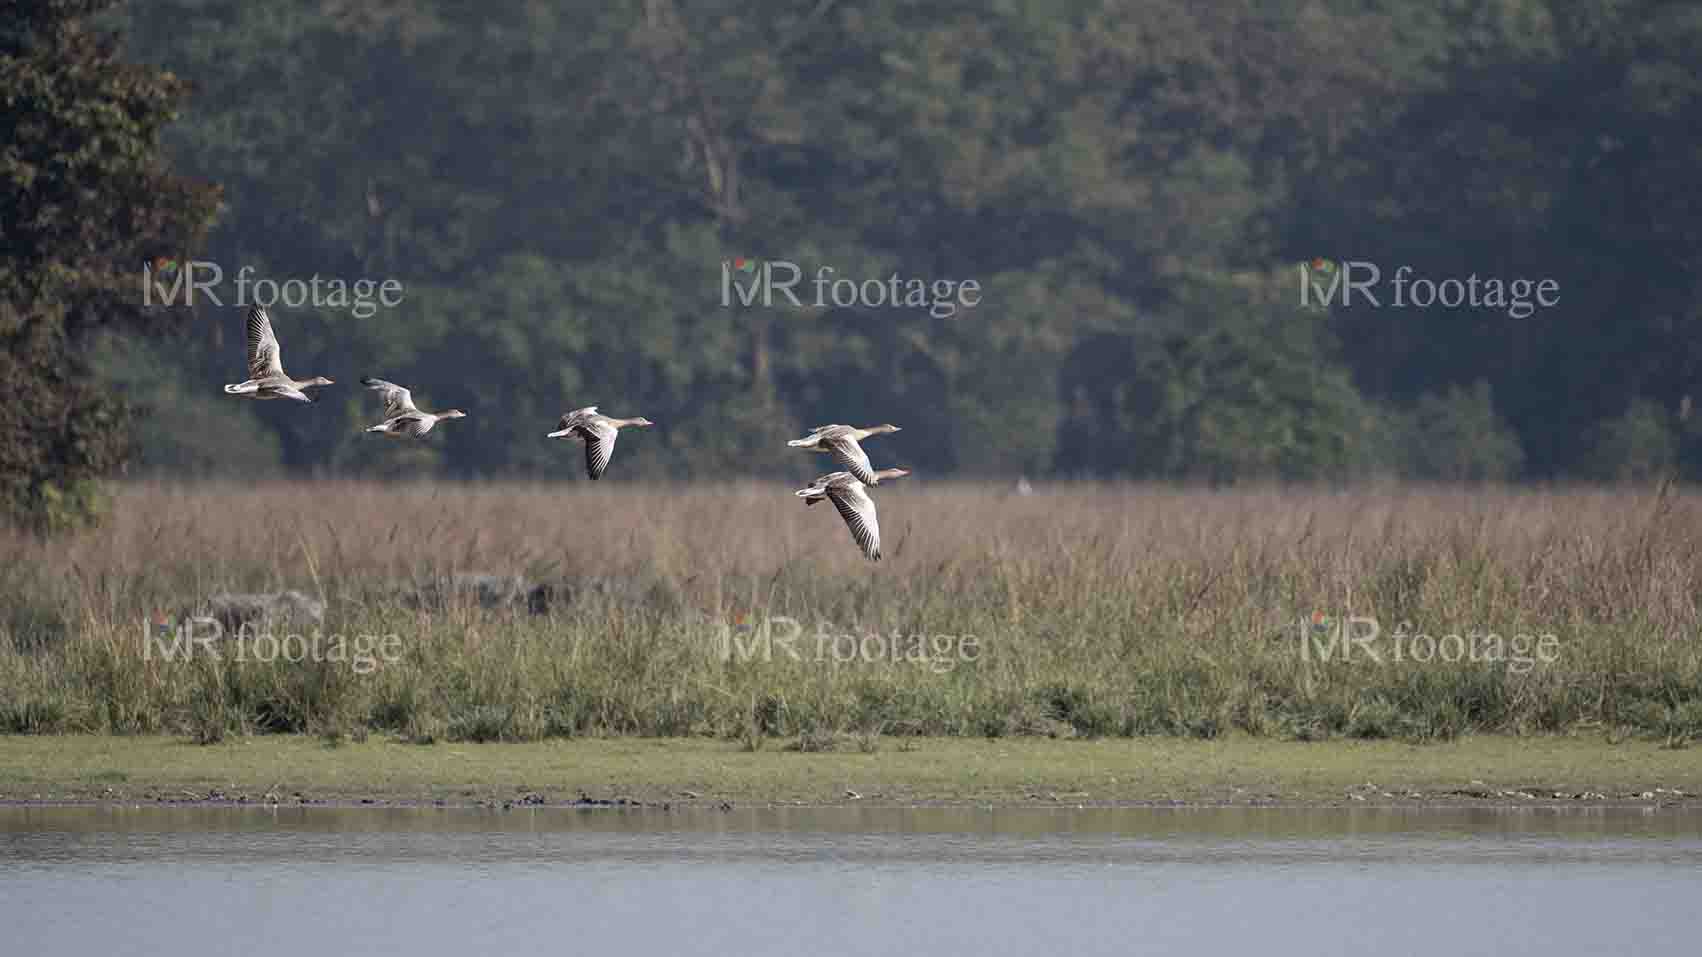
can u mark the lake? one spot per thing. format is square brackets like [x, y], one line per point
[426, 881]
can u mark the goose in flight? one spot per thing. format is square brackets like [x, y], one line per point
[598, 432]
[840, 441]
[849, 494]
[266, 378]
[401, 416]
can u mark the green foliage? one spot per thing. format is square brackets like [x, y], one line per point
[85, 199]
[180, 431]
[1641, 445]
[1255, 391]
[1457, 437]
[556, 186]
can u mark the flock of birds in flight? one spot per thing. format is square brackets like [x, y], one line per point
[846, 489]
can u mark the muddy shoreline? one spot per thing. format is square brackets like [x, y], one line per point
[1645, 800]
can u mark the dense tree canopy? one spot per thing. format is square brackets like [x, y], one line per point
[1133, 185]
[84, 200]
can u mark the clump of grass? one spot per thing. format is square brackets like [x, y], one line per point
[33, 716]
[1084, 611]
[811, 741]
[485, 723]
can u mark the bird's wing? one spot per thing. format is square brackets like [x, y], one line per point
[848, 453]
[599, 447]
[824, 431]
[413, 423]
[264, 358]
[575, 417]
[858, 510]
[397, 400]
[817, 490]
[291, 392]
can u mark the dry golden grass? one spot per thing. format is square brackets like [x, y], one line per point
[1095, 609]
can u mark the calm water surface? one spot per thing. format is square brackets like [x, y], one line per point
[316, 881]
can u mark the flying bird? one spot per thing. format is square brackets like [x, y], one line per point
[840, 441]
[266, 378]
[401, 416]
[598, 432]
[850, 496]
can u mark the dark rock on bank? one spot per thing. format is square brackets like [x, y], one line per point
[262, 612]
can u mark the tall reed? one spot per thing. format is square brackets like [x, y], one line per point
[1082, 609]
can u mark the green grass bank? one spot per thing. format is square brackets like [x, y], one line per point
[1235, 769]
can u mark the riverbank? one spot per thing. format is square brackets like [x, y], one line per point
[1234, 770]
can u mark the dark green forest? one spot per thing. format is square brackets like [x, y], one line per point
[1136, 188]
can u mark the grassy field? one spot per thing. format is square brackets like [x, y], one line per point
[735, 615]
[1234, 769]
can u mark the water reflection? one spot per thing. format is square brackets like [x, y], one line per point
[1157, 822]
[431, 881]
